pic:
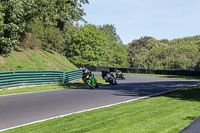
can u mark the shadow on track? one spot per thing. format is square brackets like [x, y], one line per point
[141, 89]
[151, 88]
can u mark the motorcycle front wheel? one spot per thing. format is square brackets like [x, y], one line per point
[115, 82]
[90, 84]
[112, 81]
[123, 77]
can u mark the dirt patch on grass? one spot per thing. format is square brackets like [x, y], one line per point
[28, 53]
[19, 55]
[2, 61]
[52, 66]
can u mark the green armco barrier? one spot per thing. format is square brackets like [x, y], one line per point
[21, 78]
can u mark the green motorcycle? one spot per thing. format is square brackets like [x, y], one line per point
[90, 80]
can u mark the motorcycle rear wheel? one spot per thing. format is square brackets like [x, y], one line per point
[97, 85]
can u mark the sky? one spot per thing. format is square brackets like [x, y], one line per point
[133, 19]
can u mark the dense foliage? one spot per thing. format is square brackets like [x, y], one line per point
[150, 53]
[52, 25]
[94, 46]
[52, 14]
[1, 24]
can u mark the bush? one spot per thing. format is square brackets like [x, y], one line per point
[31, 42]
[46, 38]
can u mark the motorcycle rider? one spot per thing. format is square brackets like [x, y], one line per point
[86, 72]
[87, 75]
[117, 73]
[104, 75]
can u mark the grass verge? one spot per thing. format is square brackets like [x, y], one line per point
[45, 87]
[166, 76]
[163, 76]
[34, 60]
[168, 113]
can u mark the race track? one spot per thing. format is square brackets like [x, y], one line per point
[20, 109]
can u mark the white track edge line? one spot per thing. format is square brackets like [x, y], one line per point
[60, 116]
[23, 93]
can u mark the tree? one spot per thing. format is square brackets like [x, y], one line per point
[119, 56]
[159, 57]
[150, 53]
[2, 44]
[56, 13]
[116, 53]
[138, 51]
[16, 15]
[91, 46]
[1, 21]
[187, 56]
[52, 13]
[68, 31]
[87, 46]
[110, 30]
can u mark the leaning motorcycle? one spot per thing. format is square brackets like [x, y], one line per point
[90, 80]
[110, 78]
[120, 76]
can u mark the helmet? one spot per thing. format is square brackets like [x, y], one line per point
[83, 69]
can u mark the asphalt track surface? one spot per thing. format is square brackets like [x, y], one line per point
[194, 127]
[25, 108]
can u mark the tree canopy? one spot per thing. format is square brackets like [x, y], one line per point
[51, 25]
[17, 15]
[91, 46]
[150, 53]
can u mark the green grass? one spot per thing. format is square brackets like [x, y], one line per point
[35, 60]
[166, 76]
[45, 87]
[168, 113]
